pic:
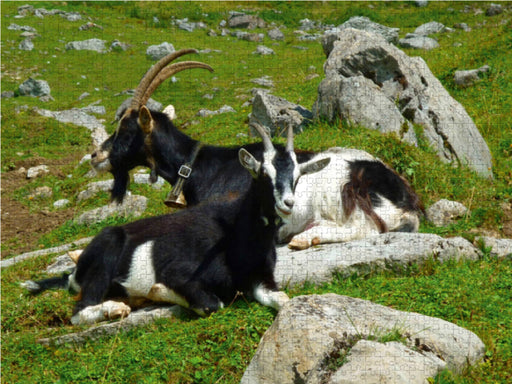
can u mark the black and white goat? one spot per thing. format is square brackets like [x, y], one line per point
[354, 197]
[200, 257]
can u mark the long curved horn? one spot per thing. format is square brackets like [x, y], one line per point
[152, 72]
[167, 72]
[267, 143]
[289, 140]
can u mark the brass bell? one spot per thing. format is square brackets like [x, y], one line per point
[174, 201]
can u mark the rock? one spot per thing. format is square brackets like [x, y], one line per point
[365, 24]
[307, 24]
[409, 86]
[61, 264]
[119, 46]
[96, 45]
[152, 105]
[7, 94]
[462, 26]
[469, 77]
[26, 45]
[494, 9]
[389, 251]
[254, 37]
[275, 114]
[374, 362]
[412, 40]
[34, 172]
[246, 21]
[275, 34]
[143, 178]
[83, 96]
[429, 28]
[156, 52]
[93, 188]
[76, 116]
[421, 3]
[264, 51]
[223, 109]
[25, 10]
[310, 37]
[61, 203]
[499, 247]
[41, 193]
[72, 16]
[34, 88]
[89, 25]
[132, 206]
[265, 81]
[16, 27]
[445, 212]
[98, 136]
[360, 101]
[311, 332]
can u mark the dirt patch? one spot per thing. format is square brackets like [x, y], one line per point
[21, 227]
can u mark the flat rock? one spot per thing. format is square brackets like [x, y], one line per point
[96, 45]
[445, 212]
[310, 332]
[429, 28]
[499, 247]
[132, 206]
[418, 42]
[388, 251]
[34, 172]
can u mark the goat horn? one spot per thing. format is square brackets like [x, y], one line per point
[267, 143]
[152, 72]
[289, 140]
[167, 72]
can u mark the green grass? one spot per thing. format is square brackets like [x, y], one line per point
[475, 295]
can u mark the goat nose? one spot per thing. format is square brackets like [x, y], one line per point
[94, 154]
[289, 202]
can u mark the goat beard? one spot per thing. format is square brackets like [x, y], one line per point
[121, 180]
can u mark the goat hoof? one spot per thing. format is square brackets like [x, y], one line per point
[298, 244]
[113, 310]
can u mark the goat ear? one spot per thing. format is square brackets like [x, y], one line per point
[145, 120]
[249, 162]
[313, 166]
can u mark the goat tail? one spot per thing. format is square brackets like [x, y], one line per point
[36, 287]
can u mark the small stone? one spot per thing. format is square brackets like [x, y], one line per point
[37, 171]
[61, 203]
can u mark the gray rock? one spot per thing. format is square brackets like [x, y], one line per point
[26, 45]
[462, 26]
[84, 95]
[418, 42]
[89, 25]
[76, 116]
[307, 24]
[34, 88]
[61, 264]
[264, 51]
[246, 21]
[152, 105]
[61, 203]
[254, 37]
[445, 212]
[7, 94]
[362, 102]
[72, 16]
[132, 206]
[223, 109]
[25, 10]
[16, 27]
[96, 45]
[365, 24]
[310, 37]
[265, 81]
[275, 114]
[41, 193]
[421, 3]
[92, 189]
[275, 34]
[494, 9]
[429, 28]
[310, 332]
[499, 247]
[34, 172]
[119, 46]
[414, 91]
[156, 52]
[372, 362]
[469, 77]
[389, 251]
[143, 178]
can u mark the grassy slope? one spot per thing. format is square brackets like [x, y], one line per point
[474, 295]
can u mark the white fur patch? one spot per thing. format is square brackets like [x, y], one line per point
[141, 276]
[104, 311]
[274, 299]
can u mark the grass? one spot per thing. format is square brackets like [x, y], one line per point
[475, 295]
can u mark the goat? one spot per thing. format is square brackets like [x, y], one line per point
[199, 258]
[355, 196]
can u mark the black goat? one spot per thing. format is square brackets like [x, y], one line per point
[198, 258]
[354, 197]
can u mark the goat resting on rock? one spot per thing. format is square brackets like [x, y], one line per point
[199, 257]
[355, 196]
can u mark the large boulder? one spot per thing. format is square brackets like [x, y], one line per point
[323, 339]
[383, 78]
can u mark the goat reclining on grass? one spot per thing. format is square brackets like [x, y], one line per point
[199, 258]
[354, 197]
